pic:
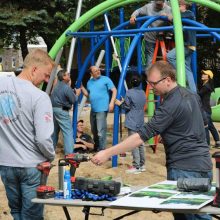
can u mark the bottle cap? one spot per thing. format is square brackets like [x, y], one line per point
[67, 168]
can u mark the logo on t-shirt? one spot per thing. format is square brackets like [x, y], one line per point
[9, 104]
[48, 117]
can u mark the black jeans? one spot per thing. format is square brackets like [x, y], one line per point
[211, 128]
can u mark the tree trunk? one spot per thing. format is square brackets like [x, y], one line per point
[23, 42]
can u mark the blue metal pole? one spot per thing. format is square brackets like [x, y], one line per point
[107, 53]
[194, 55]
[122, 44]
[139, 55]
[92, 41]
[203, 35]
[193, 8]
[194, 66]
[122, 39]
[79, 64]
[135, 31]
[120, 86]
[79, 54]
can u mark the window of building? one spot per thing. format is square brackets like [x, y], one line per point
[13, 62]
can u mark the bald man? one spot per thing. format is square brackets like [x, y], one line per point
[98, 88]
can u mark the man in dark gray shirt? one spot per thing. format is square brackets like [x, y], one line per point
[62, 98]
[180, 123]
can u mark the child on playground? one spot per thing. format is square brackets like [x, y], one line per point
[205, 92]
[133, 104]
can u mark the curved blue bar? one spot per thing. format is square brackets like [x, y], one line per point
[120, 85]
[113, 32]
[83, 70]
[204, 27]
[139, 60]
[137, 31]
[101, 41]
[86, 62]
[123, 75]
[88, 58]
[127, 60]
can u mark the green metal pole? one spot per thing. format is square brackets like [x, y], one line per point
[207, 3]
[105, 6]
[150, 111]
[180, 58]
[178, 33]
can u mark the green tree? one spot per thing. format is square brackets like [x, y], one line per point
[22, 21]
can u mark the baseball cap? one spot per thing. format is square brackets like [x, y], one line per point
[208, 72]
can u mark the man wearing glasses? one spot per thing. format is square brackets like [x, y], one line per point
[180, 123]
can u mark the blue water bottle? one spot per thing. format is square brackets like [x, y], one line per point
[67, 183]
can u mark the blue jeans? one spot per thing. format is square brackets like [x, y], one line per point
[150, 47]
[138, 153]
[63, 122]
[174, 174]
[171, 58]
[98, 121]
[211, 128]
[20, 185]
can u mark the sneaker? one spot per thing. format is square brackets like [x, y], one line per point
[142, 168]
[133, 170]
[217, 144]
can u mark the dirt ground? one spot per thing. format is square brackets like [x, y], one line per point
[155, 172]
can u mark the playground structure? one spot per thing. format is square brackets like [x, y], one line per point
[104, 35]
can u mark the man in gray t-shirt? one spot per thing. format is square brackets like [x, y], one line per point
[155, 8]
[179, 121]
[26, 126]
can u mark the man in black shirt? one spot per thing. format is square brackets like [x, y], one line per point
[84, 142]
[180, 123]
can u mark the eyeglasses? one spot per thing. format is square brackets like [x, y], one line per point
[155, 83]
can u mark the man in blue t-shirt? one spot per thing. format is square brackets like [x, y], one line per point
[98, 88]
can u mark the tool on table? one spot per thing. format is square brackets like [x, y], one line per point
[44, 191]
[194, 184]
[216, 201]
[74, 160]
[99, 187]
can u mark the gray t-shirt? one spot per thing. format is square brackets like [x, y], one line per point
[180, 123]
[26, 124]
[150, 10]
[133, 105]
